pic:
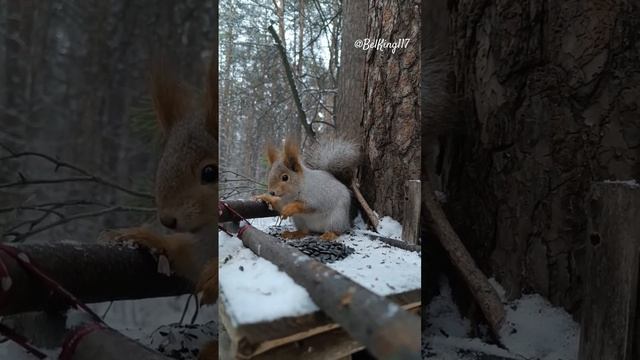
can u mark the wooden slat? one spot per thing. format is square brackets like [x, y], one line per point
[610, 310]
[261, 339]
[411, 219]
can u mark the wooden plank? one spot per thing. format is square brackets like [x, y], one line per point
[304, 344]
[609, 315]
[251, 339]
[411, 219]
[334, 344]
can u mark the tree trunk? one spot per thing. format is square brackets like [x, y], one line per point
[391, 113]
[350, 76]
[552, 99]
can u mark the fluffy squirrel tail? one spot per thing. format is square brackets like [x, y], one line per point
[337, 156]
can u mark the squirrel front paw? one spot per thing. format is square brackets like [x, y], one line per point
[271, 200]
[138, 235]
[293, 208]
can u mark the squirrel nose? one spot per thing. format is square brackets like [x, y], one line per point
[169, 221]
[272, 193]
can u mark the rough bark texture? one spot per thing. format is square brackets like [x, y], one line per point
[391, 106]
[553, 95]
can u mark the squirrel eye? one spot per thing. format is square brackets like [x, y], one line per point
[285, 177]
[209, 174]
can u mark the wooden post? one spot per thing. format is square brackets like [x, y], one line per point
[411, 220]
[610, 311]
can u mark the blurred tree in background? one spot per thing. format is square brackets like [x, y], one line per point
[74, 87]
[256, 105]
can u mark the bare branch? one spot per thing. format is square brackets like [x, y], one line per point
[289, 73]
[88, 177]
[113, 209]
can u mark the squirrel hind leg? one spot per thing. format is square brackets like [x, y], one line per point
[298, 234]
[329, 236]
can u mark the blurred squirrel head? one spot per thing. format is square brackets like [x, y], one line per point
[285, 171]
[187, 175]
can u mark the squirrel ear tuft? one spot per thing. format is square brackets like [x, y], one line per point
[169, 97]
[272, 153]
[292, 155]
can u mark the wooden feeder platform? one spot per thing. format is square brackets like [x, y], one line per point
[249, 332]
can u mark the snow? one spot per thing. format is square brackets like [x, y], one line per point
[389, 228]
[379, 267]
[534, 329]
[255, 290]
[249, 284]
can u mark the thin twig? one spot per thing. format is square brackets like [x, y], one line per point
[373, 218]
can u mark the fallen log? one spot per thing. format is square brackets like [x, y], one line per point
[92, 272]
[610, 326]
[248, 209]
[485, 295]
[387, 331]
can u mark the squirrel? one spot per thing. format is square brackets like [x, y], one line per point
[313, 192]
[186, 188]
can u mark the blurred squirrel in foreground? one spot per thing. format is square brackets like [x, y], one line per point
[313, 192]
[186, 185]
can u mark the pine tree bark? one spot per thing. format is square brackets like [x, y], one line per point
[552, 94]
[391, 107]
[350, 77]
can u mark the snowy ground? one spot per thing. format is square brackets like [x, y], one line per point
[254, 290]
[137, 319]
[535, 331]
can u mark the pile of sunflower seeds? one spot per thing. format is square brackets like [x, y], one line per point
[322, 250]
